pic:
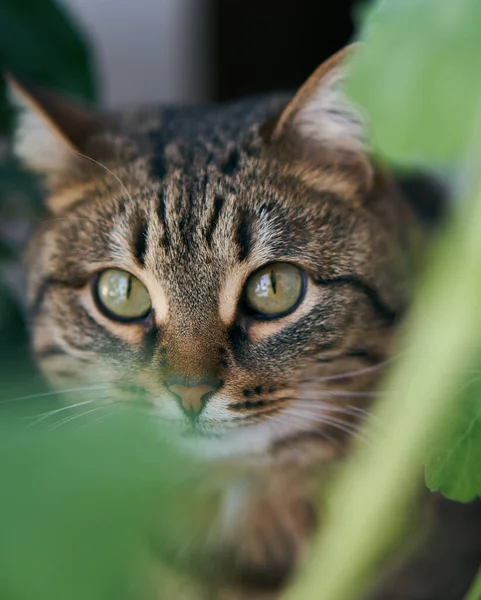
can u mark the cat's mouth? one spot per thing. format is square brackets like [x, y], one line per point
[193, 428]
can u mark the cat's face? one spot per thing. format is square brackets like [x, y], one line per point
[236, 273]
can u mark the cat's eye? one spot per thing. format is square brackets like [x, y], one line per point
[274, 290]
[121, 296]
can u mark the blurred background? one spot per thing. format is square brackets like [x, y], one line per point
[197, 50]
[175, 50]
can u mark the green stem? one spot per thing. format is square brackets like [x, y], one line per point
[475, 590]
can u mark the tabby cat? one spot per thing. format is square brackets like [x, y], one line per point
[245, 269]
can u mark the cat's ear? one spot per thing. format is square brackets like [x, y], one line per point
[53, 137]
[322, 134]
[50, 128]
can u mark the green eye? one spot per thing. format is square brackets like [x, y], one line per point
[274, 290]
[121, 295]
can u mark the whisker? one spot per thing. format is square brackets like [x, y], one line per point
[290, 420]
[325, 418]
[78, 153]
[119, 181]
[77, 416]
[358, 372]
[341, 394]
[329, 407]
[360, 410]
[346, 427]
[317, 412]
[351, 411]
[317, 400]
[101, 418]
[51, 413]
[54, 393]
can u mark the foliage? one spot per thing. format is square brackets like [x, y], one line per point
[429, 82]
[40, 41]
[415, 79]
[437, 97]
[37, 40]
[453, 460]
[421, 59]
[76, 502]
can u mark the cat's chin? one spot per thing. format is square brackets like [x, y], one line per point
[217, 443]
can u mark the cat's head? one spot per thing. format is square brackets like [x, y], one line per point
[238, 270]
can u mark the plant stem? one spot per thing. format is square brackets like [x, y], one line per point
[475, 590]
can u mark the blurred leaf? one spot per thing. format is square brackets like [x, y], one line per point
[17, 371]
[453, 463]
[39, 40]
[20, 196]
[417, 78]
[76, 504]
[5, 251]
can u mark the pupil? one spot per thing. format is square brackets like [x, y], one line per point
[129, 287]
[273, 282]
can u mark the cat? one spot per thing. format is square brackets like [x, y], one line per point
[245, 267]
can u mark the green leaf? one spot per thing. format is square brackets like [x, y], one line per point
[76, 503]
[40, 41]
[453, 463]
[417, 78]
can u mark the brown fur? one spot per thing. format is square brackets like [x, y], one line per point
[191, 202]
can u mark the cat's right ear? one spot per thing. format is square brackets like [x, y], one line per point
[52, 132]
[321, 136]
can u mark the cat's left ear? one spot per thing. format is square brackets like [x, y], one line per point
[321, 135]
[52, 132]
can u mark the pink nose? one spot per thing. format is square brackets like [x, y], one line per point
[192, 397]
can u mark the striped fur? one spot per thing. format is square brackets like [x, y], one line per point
[192, 201]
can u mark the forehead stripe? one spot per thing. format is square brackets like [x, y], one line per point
[216, 212]
[244, 235]
[139, 242]
[161, 215]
